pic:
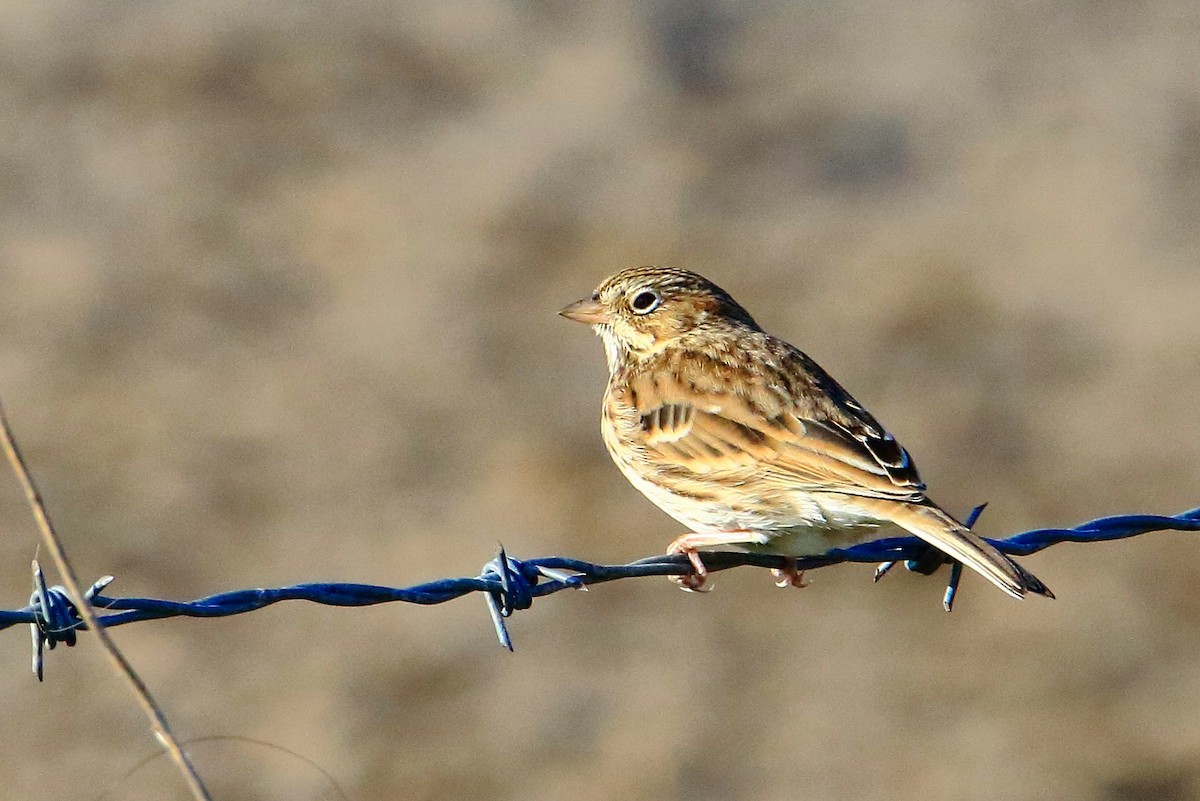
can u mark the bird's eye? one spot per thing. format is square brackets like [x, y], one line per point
[645, 301]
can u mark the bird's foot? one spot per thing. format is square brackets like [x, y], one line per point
[692, 542]
[694, 581]
[789, 576]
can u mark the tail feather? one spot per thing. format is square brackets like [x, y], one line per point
[943, 532]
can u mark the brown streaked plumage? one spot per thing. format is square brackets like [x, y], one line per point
[746, 440]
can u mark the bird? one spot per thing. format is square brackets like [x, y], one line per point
[748, 442]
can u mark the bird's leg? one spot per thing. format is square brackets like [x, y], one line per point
[789, 575]
[691, 543]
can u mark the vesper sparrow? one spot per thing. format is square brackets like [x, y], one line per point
[747, 441]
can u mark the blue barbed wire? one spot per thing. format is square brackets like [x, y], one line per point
[511, 584]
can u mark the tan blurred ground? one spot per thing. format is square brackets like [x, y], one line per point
[277, 295]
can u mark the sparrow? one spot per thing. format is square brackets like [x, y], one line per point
[747, 441]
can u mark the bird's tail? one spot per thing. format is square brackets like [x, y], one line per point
[939, 529]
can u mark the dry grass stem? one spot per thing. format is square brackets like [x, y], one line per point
[158, 721]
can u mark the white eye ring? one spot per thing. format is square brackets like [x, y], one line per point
[645, 301]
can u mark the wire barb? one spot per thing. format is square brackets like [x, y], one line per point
[55, 618]
[511, 584]
[929, 561]
[518, 581]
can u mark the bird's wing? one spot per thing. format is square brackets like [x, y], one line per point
[831, 446]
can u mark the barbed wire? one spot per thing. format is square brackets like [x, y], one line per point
[510, 584]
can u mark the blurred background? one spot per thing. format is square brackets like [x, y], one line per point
[278, 284]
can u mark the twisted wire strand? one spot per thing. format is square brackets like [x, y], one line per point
[510, 585]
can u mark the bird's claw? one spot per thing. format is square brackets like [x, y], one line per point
[789, 576]
[696, 580]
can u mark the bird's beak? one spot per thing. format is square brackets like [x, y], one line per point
[586, 311]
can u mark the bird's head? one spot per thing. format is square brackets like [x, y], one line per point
[642, 310]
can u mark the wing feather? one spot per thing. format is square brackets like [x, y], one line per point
[835, 446]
